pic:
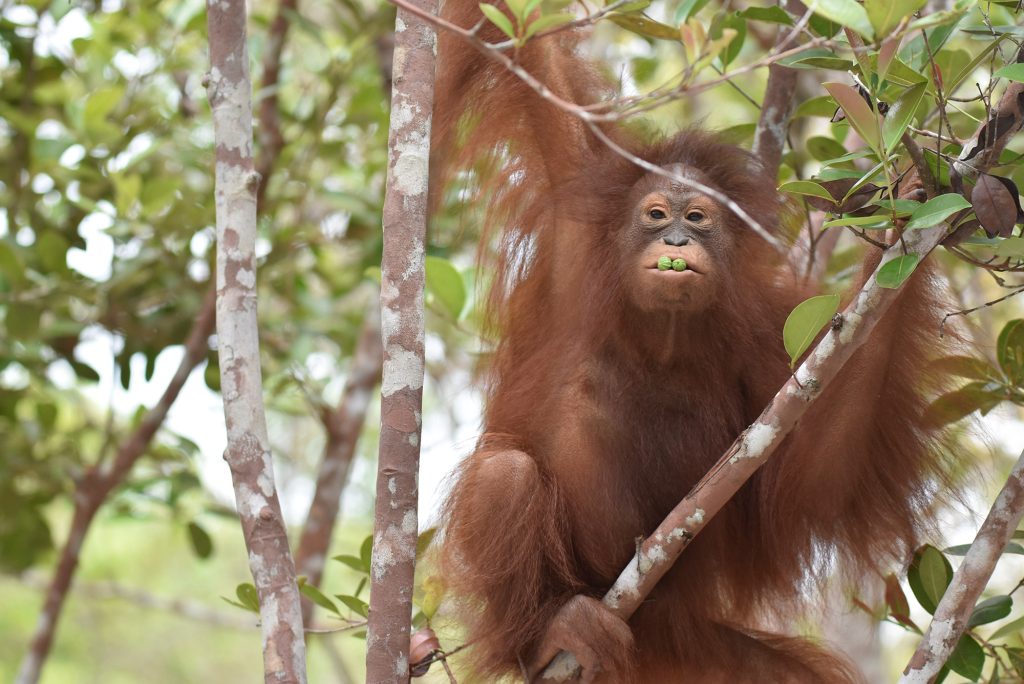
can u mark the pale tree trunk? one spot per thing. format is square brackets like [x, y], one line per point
[248, 449]
[405, 218]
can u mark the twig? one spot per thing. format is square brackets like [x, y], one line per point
[95, 486]
[968, 582]
[966, 312]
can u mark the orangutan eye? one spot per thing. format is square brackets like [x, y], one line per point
[657, 214]
[695, 216]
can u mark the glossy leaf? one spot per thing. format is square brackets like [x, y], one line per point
[807, 319]
[929, 575]
[802, 187]
[845, 13]
[857, 111]
[936, 210]
[967, 659]
[990, 610]
[1010, 350]
[499, 19]
[885, 15]
[894, 273]
[900, 115]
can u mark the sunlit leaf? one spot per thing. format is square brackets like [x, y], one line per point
[900, 114]
[804, 323]
[846, 13]
[893, 273]
[936, 210]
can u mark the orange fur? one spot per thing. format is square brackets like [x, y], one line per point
[600, 416]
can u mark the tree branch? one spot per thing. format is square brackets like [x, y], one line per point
[94, 488]
[393, 564]
[248, 450]
[773, 125]
[957, 604]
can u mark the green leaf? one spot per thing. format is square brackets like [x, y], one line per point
[356, 605]
[825, 149]
[805, 322]
[823, 105]
[858, 113]
[845, 12]
[1010, 247]
[10, 264]
[353, 562]
[424, 540]
[201, 542]
[900, 115]
[445, 283]
[98, 105]
[366, 551]
[964, 367]
[1011, 627]
[642, 25]
[1011, 72]
[433, 593]
[952, 406]
[936, 210]
[806, 188]
[499, 19]
[928, 576]
[318, 597]
[895, 272]
[864, 222]
[990, 610]
[687, 8]
[816, 58]
[546, 22]
[967, 659]
[885, 15]
[1010, 351]
[775, 15]
[248, 596]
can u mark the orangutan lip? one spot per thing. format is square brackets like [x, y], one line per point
[689, 269]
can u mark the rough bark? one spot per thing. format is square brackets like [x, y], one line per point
[405, 215]
[248, 450]
[776, 110]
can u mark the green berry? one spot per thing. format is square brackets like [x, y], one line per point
[679, 264]
[664, 263]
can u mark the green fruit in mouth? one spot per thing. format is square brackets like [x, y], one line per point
[677, 264]
[664, 263]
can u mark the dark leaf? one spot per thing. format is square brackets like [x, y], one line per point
[928, 576]
[961, 403]
[838, 189]
[201, 542]
[1010, 350]
[995, 205]
[968, 658]
[990, 610]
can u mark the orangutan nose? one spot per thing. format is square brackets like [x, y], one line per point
[677, 239]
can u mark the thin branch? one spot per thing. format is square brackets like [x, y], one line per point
[95, 486]
[248, 445]
[393, 563]
[271, 140]
[969, 580]
[966, 312]
[924, 172]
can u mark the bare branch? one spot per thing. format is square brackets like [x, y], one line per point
[393, 564]
[248, 451]
[94, 488]
[957, 604]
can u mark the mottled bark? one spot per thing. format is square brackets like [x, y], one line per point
[773, 124]
[248, 445]
[969, 580]
[94, 488]
[343, 425]
[405, 216]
